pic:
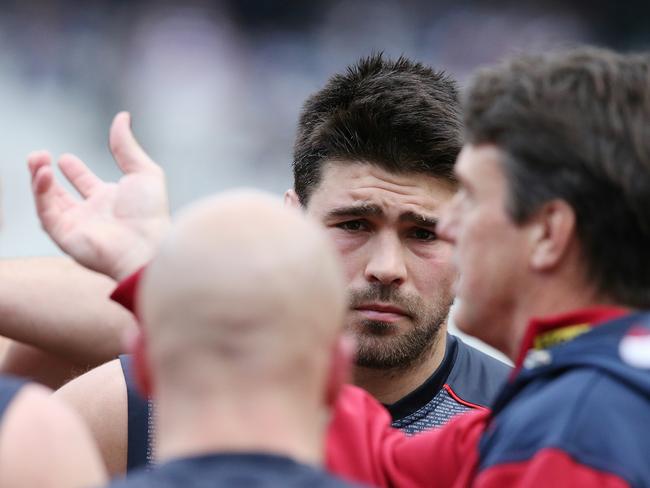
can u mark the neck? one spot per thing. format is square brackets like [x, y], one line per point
[389, 386]
[222, 423]
[541, 303]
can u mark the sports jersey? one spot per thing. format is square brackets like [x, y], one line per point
[466, 379]
[229, 470]
[575, 413]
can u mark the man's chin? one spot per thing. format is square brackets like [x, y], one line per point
[373, 328]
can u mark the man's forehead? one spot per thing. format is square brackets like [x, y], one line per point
[353, 181]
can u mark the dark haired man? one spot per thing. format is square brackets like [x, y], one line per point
[373, 162]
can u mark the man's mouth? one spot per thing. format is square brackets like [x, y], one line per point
[381, 312]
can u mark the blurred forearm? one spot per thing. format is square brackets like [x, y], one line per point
[62, 308]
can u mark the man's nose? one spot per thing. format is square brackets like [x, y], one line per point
[386, 264]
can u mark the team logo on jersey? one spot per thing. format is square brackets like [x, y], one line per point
[634, 348]
[537, 358]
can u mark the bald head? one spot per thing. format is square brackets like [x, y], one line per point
[243, 286]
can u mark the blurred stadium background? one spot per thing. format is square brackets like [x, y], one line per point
[215, 87]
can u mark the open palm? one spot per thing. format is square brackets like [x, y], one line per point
[113, 228]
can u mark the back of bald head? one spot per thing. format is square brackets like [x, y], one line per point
[246, 284]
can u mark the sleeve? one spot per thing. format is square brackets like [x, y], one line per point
[548, 467]
[362, 446]
[126, 291]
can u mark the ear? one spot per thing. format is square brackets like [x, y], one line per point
[141, 369]
[340, 367]
[552, 231]
[291, 199]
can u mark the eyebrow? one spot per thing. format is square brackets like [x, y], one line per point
[359, 210]
[372, 210]
[419, 219]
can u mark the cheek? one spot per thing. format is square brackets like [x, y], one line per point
[345, 242]
[352, 261]
[352, 250]
[435, 275]
[472, 242]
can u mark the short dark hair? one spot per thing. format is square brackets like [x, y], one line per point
[399, 115]
[576, 126]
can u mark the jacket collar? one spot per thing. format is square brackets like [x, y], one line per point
[549, 331]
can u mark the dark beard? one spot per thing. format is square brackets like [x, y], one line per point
[378, 348]
[377, 351]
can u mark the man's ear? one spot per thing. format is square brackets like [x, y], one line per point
[291, 199]
[552, 233]
[141, 368]
[340, 367]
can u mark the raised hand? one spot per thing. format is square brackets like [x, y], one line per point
[114, 228]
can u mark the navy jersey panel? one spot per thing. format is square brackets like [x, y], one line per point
[139, 416]
[232, 470]
[477, 377]
[582, 399]
[9, 387]
[466, 379]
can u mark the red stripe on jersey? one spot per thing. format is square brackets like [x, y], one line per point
[548, 467]
[460, 400]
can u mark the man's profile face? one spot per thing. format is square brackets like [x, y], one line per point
[399, 274]
[489, 247]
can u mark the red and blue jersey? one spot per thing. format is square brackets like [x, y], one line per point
[575, 413]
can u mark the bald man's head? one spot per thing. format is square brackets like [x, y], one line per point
[242, 289]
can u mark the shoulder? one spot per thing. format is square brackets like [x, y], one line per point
[476, 377]
[100, 397]
[232, 469]
[101, 390]
[584, 413]
[45, 443]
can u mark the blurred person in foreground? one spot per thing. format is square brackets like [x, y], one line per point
[43, 442]
[373, 162]
[550, 229]
[242, 371]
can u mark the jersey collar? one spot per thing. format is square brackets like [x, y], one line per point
[543, 333]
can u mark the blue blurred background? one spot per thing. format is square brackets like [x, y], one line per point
[215, 86]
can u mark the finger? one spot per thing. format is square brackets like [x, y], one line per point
[47, 208]
[77, 173]
[36, 160]
[128, 154]
[42, 180]
[50, 198]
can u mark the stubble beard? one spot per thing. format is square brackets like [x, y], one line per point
[379, 346]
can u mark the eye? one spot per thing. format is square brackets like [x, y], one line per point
[352, 225]
[423, 234]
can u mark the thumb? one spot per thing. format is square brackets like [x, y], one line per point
[126, 150]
